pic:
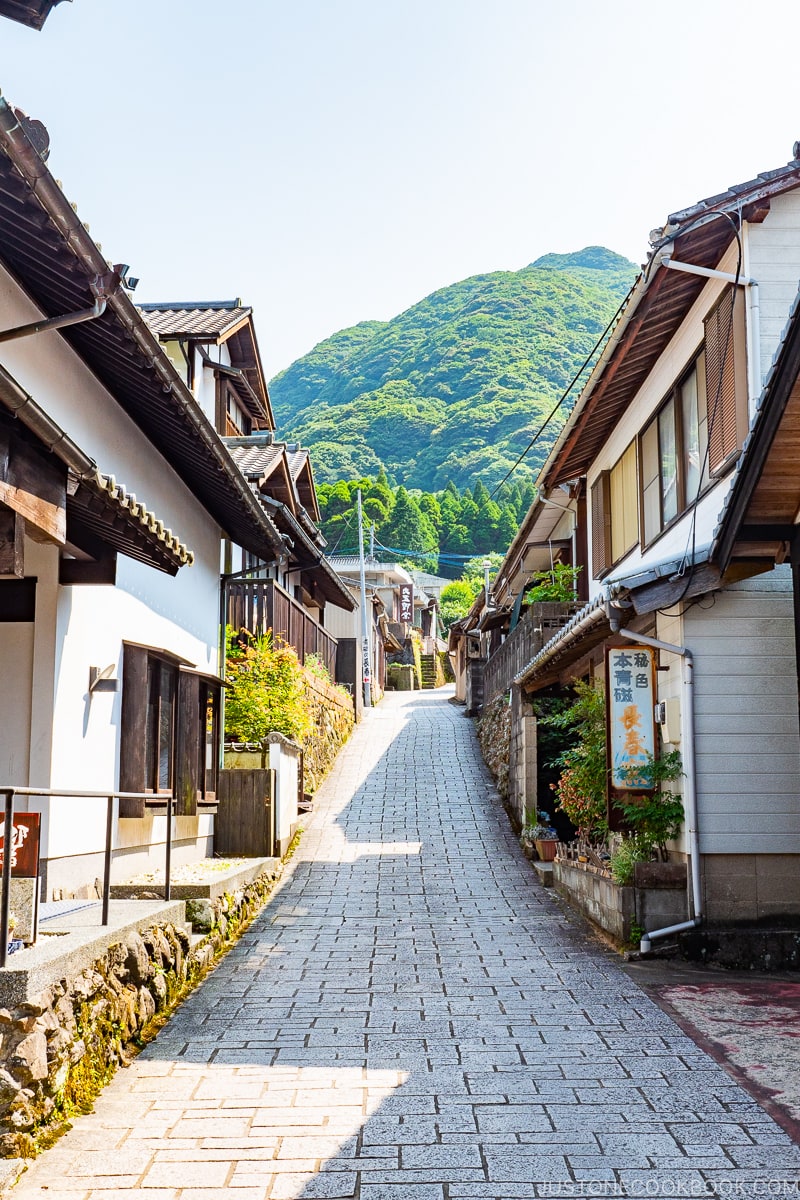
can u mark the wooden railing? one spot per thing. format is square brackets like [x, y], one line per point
[540, 623]
[262, 604]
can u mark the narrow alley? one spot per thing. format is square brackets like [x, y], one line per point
[414, 1017]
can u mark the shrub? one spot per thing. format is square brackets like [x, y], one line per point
[624, 859]
[556, 585]
[654, 817]
[265, 689]
[581, 788]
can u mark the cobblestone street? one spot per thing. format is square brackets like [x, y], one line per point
[414, 1017]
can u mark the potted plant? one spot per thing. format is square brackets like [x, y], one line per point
[543, 836]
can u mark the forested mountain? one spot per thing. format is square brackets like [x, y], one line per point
[432, 531]
[453, 389]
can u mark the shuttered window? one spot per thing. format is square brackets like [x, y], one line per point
[601, 525]
[170, 727]
[726, 378]
[624, 505]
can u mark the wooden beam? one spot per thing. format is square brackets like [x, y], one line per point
[766, 533]
[34, 484]
[663, 593]
[12, 543]
[75, 571]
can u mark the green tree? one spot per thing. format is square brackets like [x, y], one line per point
[411, 533]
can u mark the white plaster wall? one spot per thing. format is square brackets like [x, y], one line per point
[74, 742]
[205, 381]
[16, 689]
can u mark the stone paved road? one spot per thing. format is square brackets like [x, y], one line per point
[414, 1018]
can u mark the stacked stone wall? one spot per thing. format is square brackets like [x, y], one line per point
[332, 718]
[60, 1047]
[494, 738]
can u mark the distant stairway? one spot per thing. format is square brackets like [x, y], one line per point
[428, 664]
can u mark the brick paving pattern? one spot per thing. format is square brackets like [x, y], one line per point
[414, 1018]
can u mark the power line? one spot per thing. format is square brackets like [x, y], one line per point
[561, 400]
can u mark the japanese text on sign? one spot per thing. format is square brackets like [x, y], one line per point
[631, 733]
[407, 603]
[24, 845]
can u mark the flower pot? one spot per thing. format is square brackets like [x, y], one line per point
[546, 849]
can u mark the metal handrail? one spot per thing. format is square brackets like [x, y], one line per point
[10, 792]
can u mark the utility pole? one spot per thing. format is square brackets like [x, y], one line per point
[372, 540]
[366, 649]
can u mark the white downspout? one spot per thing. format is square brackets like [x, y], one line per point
[690, 791]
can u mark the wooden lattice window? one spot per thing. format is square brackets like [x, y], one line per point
[726, 378]
[601, 524]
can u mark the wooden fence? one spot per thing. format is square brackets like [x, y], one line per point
[245, 820]
[262, 604]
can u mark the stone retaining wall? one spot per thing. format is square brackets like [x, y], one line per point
[60, 1047]
[494, 738]
[657, 900]
[332, 720]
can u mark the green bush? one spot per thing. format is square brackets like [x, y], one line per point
[581, 787]
[265, 691]
[655, 817]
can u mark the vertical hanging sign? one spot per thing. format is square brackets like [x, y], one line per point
[630, 687]
[407, 603]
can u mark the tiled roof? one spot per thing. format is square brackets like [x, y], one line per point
[297, 459]
[123, 509]
[194, 319]
[255, 462]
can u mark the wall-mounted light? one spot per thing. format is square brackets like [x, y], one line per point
[100, 679]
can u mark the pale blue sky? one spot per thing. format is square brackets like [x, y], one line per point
[333, 161]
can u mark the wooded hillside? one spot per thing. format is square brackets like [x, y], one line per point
[454, 388]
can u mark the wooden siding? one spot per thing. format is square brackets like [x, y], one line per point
[747, 725]
[774, 260]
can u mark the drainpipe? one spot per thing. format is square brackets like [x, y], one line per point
[690, 792]
[755, 313]
[102, 287]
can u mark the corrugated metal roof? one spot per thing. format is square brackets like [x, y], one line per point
[195, 319]
[46, 247]
[656, 305]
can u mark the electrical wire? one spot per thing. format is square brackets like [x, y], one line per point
[561, 399]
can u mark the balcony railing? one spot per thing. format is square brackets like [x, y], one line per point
[262, 604]
[540, 623]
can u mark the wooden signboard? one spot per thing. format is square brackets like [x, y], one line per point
[630, 687]
[25, 847]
